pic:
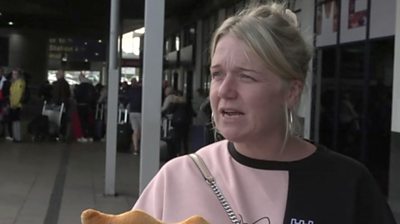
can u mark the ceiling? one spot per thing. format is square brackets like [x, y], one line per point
[83, 17]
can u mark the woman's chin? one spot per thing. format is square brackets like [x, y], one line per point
[232, 135]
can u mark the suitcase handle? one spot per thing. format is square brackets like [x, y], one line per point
[122, 116]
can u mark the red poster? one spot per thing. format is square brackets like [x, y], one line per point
[357, 13]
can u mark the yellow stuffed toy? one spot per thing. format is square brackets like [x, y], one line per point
[91, 216]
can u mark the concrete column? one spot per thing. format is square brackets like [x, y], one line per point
[151, 102]
[394, 181]
[112, 101]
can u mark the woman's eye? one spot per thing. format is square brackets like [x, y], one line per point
[216, 75]
[247, 77]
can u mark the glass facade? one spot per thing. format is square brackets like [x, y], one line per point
[354, 87]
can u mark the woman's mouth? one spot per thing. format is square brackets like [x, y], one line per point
[231, 113]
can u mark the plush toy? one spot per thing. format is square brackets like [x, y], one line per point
[91, 216]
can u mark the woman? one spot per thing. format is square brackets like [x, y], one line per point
[259, 61]
[17, 90]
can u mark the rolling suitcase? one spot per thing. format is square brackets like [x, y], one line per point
[124, 132]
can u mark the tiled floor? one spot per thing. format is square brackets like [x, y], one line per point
[50, 183]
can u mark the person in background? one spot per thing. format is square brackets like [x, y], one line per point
[61, 94]
[17, 89]
[4, 102]
[102, 95]
[45, 91]
[180, 121]
[61, 89]
[134, 95]
[123, 94]
[199, 98]
[85, 97]
[263, 172]
[170, 98]
[165, 85]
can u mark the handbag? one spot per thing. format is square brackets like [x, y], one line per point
[214, 187]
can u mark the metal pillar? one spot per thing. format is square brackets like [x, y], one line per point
[151, 101]
[112, 101]
[394, 169]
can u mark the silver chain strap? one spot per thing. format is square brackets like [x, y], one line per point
[213, 185]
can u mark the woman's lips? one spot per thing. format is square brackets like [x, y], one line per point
[231, 113]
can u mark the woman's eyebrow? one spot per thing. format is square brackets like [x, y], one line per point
[215, 66]
[247, 69]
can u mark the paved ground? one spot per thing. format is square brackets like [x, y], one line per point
[50, 183]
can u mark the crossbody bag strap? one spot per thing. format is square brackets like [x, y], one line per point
[213, 185]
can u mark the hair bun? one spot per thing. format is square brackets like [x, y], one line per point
[291, 17]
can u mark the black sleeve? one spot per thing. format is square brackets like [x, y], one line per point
[371, 206]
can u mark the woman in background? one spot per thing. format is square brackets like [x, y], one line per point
[17, 89]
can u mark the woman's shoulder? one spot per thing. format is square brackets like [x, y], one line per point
[330, 160]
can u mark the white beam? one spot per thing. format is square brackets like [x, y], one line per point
[112, 101]
[396, 75]
[151, 101]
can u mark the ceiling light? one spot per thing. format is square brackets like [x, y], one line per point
[85, 43]
[11, 23]
[86, 60]
[97, 54]
[100, 41]
[1, 13]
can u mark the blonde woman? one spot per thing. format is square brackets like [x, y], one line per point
[263, 172]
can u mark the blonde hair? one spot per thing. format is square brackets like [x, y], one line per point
[272, 32]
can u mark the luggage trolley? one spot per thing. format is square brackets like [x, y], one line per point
[54, 113]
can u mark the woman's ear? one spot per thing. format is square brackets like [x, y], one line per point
[294, 93]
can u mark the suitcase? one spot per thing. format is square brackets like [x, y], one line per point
[168, 137]
[76, 125]
[124, 131]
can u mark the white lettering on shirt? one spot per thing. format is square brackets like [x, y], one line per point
[301, 221]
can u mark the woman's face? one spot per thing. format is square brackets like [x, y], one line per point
[247, 99]
[15, 74]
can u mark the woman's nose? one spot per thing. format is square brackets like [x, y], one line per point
[227, 88]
